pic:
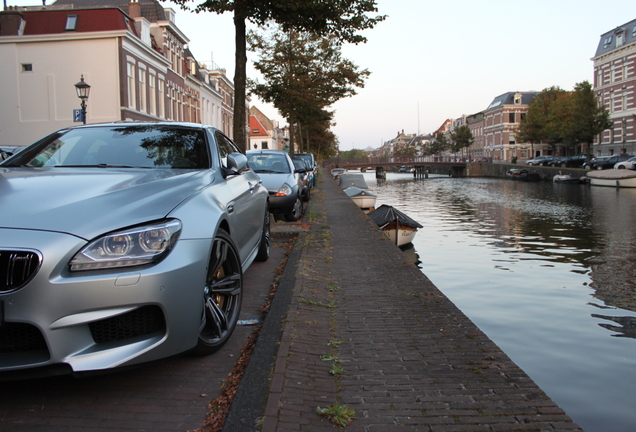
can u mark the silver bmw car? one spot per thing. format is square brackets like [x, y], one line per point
[123, 243]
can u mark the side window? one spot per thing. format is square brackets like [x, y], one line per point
[225, 147]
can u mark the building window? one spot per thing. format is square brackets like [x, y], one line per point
[142, 90]
[619, 39]
[27, 67]
[153, 94]
[615, 74]
[162, 98]
[131, 86]
[255, 131]
[264, 145]
[71, 23]
[511, 117]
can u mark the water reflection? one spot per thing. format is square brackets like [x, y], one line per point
[531, 264]
[411, 255]
[625, 325]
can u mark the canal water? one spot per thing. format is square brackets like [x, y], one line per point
[547, 271]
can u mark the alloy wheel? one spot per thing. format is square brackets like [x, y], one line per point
[222, 296]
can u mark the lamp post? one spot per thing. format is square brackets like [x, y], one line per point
[83, 89]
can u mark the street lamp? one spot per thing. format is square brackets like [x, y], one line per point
[83, 89]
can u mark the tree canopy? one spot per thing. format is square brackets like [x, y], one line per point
[567, 118]
[353, 154]
[304, 74]
[437, 145]
[460, 138]
[342, 19]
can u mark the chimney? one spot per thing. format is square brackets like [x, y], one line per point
[134, 9]
[11, 23]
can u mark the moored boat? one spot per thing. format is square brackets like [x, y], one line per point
[567, 178]
[400, 228]
[363, 198]
[613, 178]
[357, 180]
[522, 174]
[337, 172]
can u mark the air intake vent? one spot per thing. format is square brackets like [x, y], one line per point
[17, 268]
[138, 323]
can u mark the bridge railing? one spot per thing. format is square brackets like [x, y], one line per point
[393, 160]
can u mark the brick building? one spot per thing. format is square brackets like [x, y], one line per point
[501, 123]
[615, 87]
[131, 53]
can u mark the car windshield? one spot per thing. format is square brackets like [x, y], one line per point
[307, 159]
[138, 146]
[265, 163]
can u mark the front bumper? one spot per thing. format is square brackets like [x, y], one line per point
[281, 204]
[99, 319]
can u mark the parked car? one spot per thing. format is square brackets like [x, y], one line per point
[482, 160]
[606, 162]
[124, 243]
[557, 161]
[312, 166]
[301, 168]
[279, 176]
[575, 161]
[629, 164]
[540, 160]
[588, 164]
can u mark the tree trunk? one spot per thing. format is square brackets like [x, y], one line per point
[301, 145]
[240, 78]
[290, 121]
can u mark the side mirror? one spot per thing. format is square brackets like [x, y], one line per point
[236, 162]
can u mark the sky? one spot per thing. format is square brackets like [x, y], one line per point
[437, 60]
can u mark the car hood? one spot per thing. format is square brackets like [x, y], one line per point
[88, 202]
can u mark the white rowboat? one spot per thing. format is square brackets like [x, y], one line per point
[613, 178]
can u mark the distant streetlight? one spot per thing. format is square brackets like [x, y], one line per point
[83, 89]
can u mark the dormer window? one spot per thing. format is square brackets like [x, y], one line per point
[619, 38]
[518, 99]
[71, 23]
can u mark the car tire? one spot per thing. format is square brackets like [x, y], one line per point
[529, 163]
[264, 245]
[600, 167]
[621, 167]
[297, 211]
[307, 195]
[563, 164]
[222, 296]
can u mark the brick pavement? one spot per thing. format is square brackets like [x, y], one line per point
[365, 328]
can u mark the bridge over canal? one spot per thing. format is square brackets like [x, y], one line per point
[422, 165]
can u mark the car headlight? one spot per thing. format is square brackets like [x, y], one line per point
[285, 190]
[131, 247]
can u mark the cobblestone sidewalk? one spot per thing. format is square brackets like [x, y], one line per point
[366, 331]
